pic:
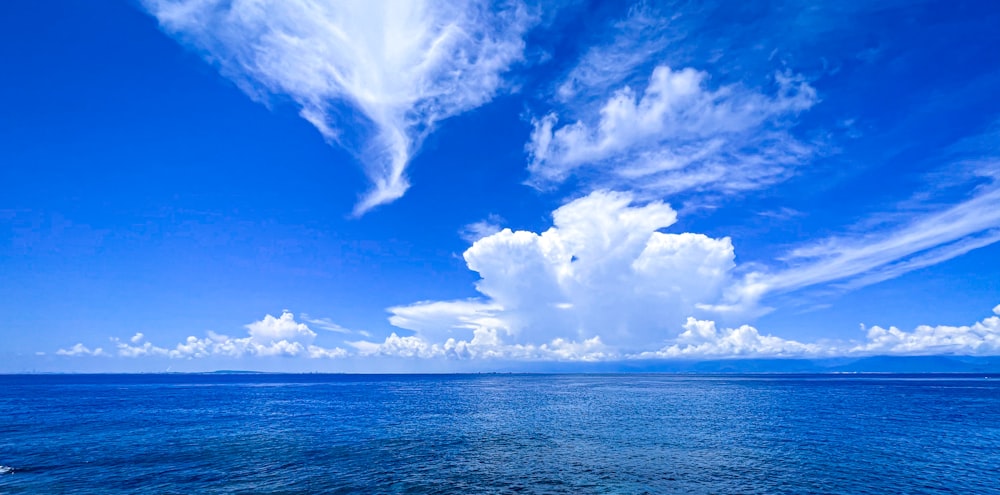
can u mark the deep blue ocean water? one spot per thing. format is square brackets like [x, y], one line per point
[629, 433]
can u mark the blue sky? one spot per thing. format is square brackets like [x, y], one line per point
[196, 185]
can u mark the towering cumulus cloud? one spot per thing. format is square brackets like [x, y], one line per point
[604, 270]
[373, 76]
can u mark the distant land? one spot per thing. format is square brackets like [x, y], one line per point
[874, 364]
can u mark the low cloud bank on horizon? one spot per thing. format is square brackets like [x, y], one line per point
[700, 339]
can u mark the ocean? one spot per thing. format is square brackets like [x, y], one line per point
[573, 434]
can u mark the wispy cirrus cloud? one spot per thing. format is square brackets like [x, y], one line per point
[330, 325]
[678, 134]
[374, 76]
[485, 227]
[852, 262]
[643, 34]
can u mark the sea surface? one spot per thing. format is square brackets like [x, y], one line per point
[626, 433]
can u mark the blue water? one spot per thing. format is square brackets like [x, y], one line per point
[185, 434]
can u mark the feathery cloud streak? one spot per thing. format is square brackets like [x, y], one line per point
[677, 135]
[401, 66]
[863, 260]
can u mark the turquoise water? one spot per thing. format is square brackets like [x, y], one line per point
[849, 434]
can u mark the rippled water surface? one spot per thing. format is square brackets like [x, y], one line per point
[183, 434]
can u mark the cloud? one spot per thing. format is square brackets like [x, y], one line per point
[373, 76]
[854, 262]
[980, 338]
[441, 320]
[478, 332]
[272, 329]
[483, 228]
[486, 344]
[324, 324]
[81, 350]
[701, 339]
[604, 270]
[677, 135]
[271, 336]
[607, 270]
[641, 36]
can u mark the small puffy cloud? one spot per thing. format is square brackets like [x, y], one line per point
[317, 352]
[701, 339]
[676, 135]
[271, 336]
[980, 338]
[81, 350]
[272, 329]
[374, 76]
[486, 344]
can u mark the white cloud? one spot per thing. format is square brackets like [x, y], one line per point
[486, 344]
[980, 338]
[81, 350]
[441, 320]
[638, 38]
[331, 326]
[862, 260]
[481, 336]
[401, 65]
[271, 336]
[272, 329]
[701, 339]
[677, 135]
[317, 352]
[603, 270]
[483, 228]
[324, 324]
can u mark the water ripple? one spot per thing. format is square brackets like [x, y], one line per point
[556, 434]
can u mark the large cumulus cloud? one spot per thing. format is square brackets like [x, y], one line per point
[604, 269]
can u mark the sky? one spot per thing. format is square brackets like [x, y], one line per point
[369, 186]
